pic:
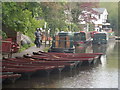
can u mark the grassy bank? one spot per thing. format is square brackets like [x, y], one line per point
[46, 49]
[26, 46]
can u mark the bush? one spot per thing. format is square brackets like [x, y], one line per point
[4, 36]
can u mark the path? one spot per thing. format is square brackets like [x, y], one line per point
[28, 51]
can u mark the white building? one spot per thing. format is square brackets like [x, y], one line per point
[97, 16]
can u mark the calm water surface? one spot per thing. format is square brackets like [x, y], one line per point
[103, 74]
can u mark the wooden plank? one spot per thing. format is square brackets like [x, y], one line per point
[56, 37]
[56, 41]
[62, 42]
[67, 42]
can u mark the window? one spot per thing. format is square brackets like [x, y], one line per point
[99, 16]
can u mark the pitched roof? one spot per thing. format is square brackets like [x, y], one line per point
[100, 10]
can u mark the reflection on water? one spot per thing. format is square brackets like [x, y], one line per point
[95, 48]
[100, 75]
[103, 60]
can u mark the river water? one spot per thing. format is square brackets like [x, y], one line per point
[103, 74]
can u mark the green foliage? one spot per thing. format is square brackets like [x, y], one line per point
[20, 16]
[76, 10]
[25, 17]
[4, 36]
[53, 13]
[35, 8]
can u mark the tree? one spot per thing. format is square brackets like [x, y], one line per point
[75, 11]
[54, 15]
[20, 17]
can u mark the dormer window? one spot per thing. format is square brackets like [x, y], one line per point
[105, 16]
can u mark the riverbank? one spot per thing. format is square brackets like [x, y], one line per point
[28, 51]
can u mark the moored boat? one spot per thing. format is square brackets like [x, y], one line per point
[67, 55]
[100, 38]
[82, 38]
[63, 42]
